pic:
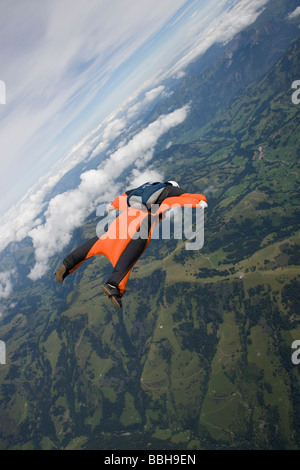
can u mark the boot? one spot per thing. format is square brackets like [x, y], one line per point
[113, 294]
[61, 273]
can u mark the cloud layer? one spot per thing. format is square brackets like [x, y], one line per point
[6, 283]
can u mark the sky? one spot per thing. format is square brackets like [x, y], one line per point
[77, 75]
[66, 65]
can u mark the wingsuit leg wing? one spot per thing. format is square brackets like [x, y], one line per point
[126, 239]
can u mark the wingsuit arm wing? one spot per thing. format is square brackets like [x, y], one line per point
[188, 199]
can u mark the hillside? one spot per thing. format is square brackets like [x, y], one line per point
[200, 355]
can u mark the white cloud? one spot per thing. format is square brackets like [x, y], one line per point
[154, 93]
[68, 210]
[6, 283]
[294, 13]
[113, 129]
[138, 177]
[146, 139]
[148, 97]
[179, 74]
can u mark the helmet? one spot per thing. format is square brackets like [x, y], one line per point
[173, 183]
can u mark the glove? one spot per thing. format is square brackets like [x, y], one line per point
[203, 205]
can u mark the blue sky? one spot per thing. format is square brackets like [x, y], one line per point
[77, 75]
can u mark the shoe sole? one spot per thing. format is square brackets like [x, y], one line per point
[111, 297]
[60, 273]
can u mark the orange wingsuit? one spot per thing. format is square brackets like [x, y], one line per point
[119, 245]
